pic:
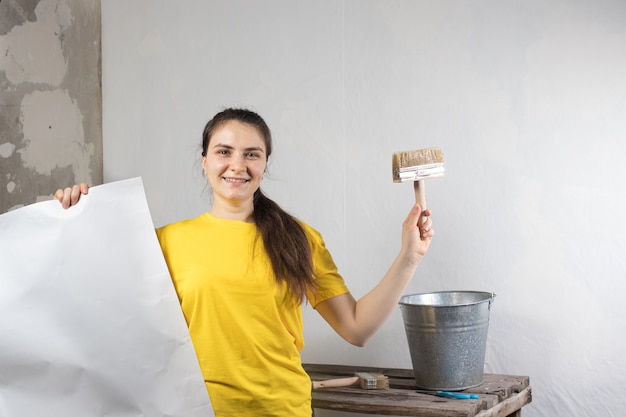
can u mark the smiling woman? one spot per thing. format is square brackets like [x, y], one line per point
[243, 269]
[234, 163]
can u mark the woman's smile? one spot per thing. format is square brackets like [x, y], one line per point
[236, 180]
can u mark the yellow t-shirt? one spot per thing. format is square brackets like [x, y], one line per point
[246, 331]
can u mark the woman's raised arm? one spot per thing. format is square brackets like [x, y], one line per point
[357, 321]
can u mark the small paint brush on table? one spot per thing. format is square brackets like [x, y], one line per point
[365, 380]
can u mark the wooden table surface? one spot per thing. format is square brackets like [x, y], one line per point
[499, 395]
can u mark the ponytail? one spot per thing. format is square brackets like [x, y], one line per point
[286, 245]
[285, 240]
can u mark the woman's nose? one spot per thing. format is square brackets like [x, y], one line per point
[238, 162]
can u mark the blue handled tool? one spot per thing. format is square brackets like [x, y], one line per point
[458, 395]
[448, 394]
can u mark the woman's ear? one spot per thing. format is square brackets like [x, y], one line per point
[204, 166]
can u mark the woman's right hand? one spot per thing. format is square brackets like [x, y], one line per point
[69, 196]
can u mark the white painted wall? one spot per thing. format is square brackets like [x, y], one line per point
[526, 98]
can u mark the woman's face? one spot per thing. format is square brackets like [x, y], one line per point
[235, 162]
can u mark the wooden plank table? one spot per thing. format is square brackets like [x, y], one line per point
[499, 395]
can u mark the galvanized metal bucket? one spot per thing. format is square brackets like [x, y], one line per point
[447, 335]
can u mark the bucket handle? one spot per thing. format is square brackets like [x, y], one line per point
[493, 295]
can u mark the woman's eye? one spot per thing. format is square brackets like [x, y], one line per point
[253, 155]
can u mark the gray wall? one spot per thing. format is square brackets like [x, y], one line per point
[50, 98]
[527, 99]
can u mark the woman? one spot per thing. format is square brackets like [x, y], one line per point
[243, 269]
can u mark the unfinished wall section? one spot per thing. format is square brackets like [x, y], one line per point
[50, 98]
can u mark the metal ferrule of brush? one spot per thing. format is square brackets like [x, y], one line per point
[423, 171]
[367, 380]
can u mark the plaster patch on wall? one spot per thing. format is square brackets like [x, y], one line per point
[6, 149]
[16, 12]
[53, 125]
[33, 51]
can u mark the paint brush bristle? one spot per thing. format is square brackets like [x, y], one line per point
[416, 165]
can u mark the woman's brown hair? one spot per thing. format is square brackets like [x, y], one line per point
[284, 238]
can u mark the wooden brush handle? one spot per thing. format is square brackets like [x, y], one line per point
[420, 196]
[337, 382]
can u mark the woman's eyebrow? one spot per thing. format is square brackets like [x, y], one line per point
[222, 145]
[255, 148]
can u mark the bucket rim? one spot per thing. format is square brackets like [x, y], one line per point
[490, 299]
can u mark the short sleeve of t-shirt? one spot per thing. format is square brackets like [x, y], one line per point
[329, 282]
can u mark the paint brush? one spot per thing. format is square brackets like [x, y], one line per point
[418, 166]
[365, 380]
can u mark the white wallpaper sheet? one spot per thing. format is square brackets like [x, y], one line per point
[90, 324]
